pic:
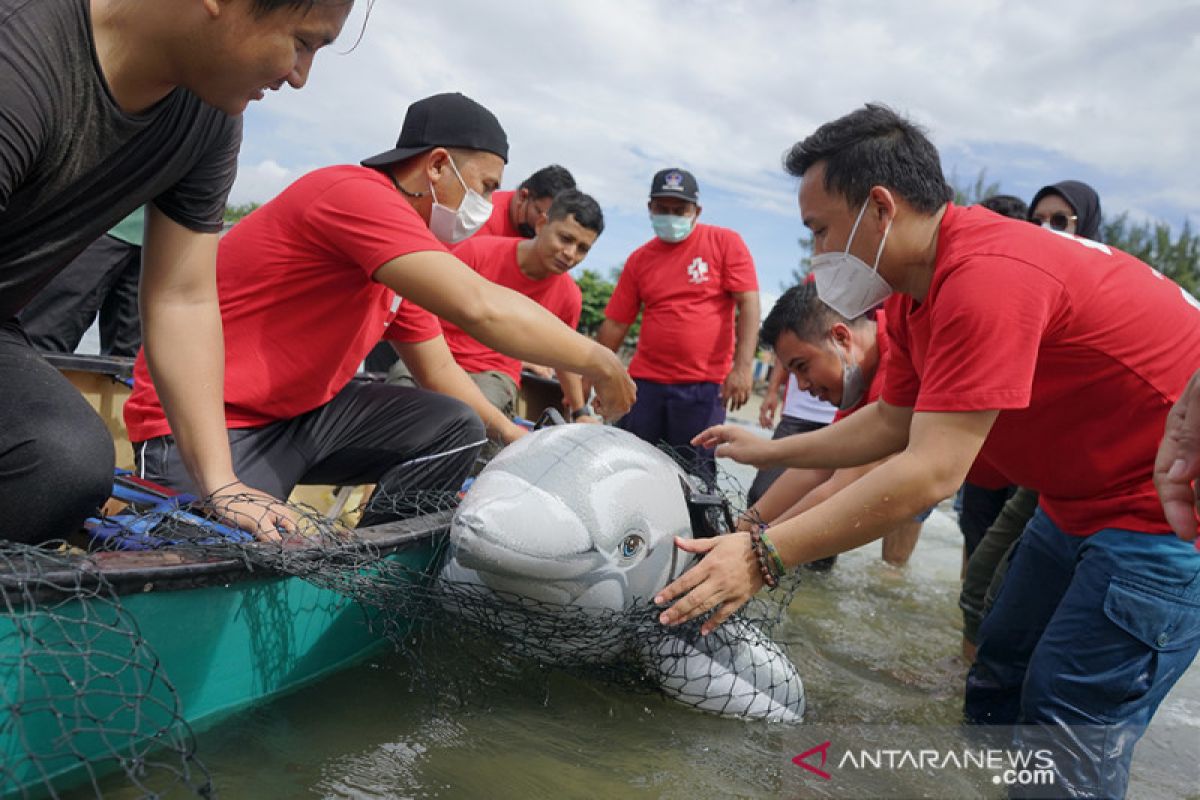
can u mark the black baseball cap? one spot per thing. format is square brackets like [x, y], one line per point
[445, 120]
[675, 182]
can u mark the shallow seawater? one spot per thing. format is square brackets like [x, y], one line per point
[877, 648]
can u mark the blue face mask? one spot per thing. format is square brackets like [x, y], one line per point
[670, 228]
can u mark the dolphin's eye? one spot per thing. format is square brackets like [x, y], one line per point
[631, 545]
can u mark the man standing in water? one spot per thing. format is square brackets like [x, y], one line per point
[105, 106]
[697, 290]
[999, 331]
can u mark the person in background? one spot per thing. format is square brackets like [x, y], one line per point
[1006, 205]
[517, 213]
[107, 106]
[802, 412]
[697, 290]
[101, 282]
[1068, 207]
[1053, 359]
[310, 281]
[539, 269]
[841, 361]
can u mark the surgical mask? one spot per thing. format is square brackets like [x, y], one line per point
[845, 283]
[854, 383]
[671, 228]
[450, 226]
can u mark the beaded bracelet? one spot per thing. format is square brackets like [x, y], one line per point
[764, 560]
[780, 568]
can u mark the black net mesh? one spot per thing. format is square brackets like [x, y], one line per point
[82, 690]
[77, 680]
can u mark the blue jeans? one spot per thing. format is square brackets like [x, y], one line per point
[1086, 637]
[672, 413]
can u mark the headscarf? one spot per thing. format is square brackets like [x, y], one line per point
[1082, 199]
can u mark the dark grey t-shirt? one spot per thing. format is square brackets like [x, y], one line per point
[73, 164]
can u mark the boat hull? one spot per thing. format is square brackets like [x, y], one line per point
[208, 638]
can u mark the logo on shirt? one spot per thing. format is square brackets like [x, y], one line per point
[698, 271]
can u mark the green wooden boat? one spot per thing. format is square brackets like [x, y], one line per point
[211, 636]
[223, 637]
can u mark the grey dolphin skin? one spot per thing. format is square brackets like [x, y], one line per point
[582, 518]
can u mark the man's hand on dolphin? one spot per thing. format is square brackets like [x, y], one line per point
[1177, 467]
[738, 443]
[725, 579]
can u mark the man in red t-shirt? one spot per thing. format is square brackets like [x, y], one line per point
[514, 214]
[309, 282]
[537, 268]
[695, 285]
[517, 213]
[1050, 359]
[841, 362]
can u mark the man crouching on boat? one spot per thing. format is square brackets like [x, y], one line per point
[105, 106]
[308, 284]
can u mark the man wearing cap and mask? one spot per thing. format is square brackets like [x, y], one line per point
[309, 282]
[1051, 359]
[697, 289]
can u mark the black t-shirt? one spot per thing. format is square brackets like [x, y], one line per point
[73, 164]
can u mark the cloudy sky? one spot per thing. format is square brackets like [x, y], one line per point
[1031, 92]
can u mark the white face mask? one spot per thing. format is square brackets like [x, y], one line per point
[845, 283]
[854, 383]
[450, 226]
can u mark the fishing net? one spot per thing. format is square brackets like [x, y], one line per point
[84, 695]
[739, 670]
[86, 701]
[77, 679]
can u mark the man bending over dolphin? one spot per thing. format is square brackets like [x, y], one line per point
[840, 361]
[1024, 348]
[309, 282]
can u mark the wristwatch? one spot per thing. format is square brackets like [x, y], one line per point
[585, 410]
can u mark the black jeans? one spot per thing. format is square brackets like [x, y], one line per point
[788, 426]
[56, 455]
[103, 280]
[405, 440]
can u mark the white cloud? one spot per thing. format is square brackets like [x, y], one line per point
[767, 300]
[264, 179]
[617, 90]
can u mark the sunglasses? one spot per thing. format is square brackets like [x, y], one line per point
[1058, 220]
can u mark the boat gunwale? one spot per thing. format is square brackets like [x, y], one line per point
[135, 572]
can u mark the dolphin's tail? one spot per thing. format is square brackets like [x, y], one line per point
[735, 671]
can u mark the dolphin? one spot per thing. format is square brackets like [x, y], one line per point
[578, 519]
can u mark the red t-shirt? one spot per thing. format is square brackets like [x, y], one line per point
[1082, 348]
[298, 305]
[875, 388]
[687, 290]
[498, 223]
[495, 258]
